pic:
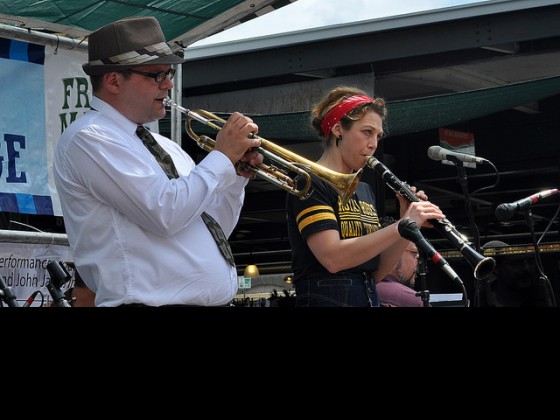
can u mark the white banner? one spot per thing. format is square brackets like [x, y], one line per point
[68, 96]
[43, 90]
[23, 268]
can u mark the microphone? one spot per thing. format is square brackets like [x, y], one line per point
[59, 276]
[439, 153]
[30, 299]
[506, 211]
[409, 230]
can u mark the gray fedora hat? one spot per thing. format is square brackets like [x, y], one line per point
[126, 43]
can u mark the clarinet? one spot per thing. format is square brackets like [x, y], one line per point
[483, 266]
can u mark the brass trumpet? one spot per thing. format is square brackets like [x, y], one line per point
[344, 184]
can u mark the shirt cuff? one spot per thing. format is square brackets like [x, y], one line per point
[222, 169]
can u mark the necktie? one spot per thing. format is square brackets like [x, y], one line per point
[166, 163]
[159, 153]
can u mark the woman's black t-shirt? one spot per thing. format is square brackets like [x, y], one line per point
[322, 210]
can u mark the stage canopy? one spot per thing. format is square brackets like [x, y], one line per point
[183, 22]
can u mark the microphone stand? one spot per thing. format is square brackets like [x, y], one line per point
[550, 300]
[463, 181]
[7, 294]
[422, 273]
[57, 295]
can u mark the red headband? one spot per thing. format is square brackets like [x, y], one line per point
[339, 111]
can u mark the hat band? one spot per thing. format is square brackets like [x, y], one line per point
[136, 57]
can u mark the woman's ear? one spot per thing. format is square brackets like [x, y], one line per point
[337, 130]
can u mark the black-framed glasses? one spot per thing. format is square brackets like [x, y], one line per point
[159, 77]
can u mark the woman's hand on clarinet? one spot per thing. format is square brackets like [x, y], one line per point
[404, 202]
[422, 211]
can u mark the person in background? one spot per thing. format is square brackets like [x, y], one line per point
[340, 251]
[143, 221]
[397, 287]
[515, 281]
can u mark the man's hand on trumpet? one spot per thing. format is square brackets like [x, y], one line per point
[235, 141]
[252, 158]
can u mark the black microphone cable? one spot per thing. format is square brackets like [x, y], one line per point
[32, 297]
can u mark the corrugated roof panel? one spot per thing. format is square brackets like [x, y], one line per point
[370, 26]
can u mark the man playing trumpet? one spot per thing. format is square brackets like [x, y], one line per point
[143, 221]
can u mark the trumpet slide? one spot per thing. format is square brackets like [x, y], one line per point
[344, 184]
[483, 266]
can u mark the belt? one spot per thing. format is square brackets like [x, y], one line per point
[350, 275]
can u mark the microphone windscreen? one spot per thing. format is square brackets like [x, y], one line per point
[408, 229]
[504, 212]
[434, 152]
